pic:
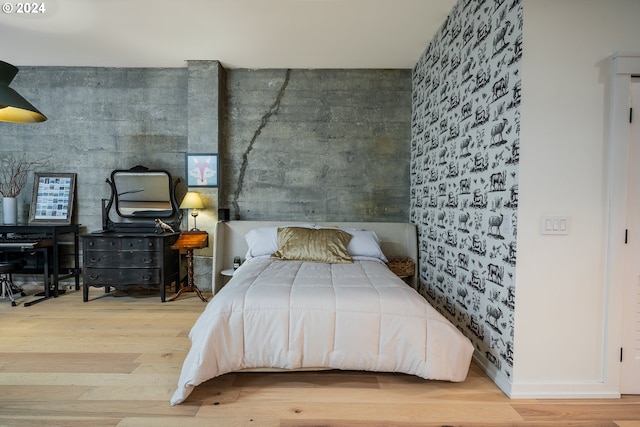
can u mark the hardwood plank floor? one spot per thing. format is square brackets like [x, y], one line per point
[115, 361]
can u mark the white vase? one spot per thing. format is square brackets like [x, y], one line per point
[10, 210]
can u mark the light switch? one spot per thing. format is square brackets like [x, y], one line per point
[554, 224]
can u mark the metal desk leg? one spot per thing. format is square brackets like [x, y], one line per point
[76, 241]
[47, 293]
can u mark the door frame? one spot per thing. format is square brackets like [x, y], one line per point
[630, 305]
[624, 66]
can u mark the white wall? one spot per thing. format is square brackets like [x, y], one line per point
[560, 300]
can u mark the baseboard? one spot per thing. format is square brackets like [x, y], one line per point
[498, 377]
[583, 390]
[546, 390]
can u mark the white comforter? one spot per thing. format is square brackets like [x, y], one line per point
[304, 315]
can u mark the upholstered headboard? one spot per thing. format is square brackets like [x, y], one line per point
[397, 239]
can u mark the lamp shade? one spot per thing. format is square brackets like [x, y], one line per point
[192, 200]
[13, 107]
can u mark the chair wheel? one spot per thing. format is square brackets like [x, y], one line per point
[13, 304]
[23, 293]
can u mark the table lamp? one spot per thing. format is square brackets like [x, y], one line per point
[192, 201]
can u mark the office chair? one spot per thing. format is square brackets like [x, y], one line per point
[9, 289]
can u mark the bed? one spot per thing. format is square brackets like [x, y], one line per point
[319, 296]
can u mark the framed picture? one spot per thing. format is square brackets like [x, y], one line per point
[202, 170]
[52, 200]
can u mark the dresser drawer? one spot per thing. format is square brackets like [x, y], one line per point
[122, 243]
[124, 259]
[122, 276]
[101, 244]
[140, 244]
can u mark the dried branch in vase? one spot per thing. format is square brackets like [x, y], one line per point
[14, 172]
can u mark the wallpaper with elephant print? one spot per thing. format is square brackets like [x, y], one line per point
[464, 171]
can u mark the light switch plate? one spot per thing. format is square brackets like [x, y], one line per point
[554, 224]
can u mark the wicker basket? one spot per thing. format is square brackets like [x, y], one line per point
[402, 266]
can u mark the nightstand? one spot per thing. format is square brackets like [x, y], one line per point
[402, 267]
[227, 272]
[189, 241]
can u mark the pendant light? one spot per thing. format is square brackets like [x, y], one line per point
[13, 107]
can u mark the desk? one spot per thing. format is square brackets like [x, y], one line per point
[190, 240]
[51, 254]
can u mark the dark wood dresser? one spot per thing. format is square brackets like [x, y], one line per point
[127, 260]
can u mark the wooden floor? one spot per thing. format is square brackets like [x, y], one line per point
[115, 361]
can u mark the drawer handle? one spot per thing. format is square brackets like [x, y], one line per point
[147, 278]
[95, 259]
[92, 277]
[147, 260]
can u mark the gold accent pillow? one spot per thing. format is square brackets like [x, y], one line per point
[313, 244]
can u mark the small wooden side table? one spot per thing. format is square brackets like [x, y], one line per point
[189, 241]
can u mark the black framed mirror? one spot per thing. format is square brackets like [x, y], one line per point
[140, 196]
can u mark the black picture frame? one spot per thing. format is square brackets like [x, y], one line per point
[53, 198]
[201, 170]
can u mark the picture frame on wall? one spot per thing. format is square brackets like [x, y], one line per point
[202, 170]
[53, 198]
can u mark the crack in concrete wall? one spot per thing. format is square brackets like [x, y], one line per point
[273, 109]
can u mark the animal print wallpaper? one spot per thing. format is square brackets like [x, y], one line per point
[464, 171]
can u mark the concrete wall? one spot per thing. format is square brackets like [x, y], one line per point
[328, 145]
[336, 147]
[100, 119]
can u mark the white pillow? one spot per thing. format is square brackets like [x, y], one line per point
[365, 244]
[263, 241]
